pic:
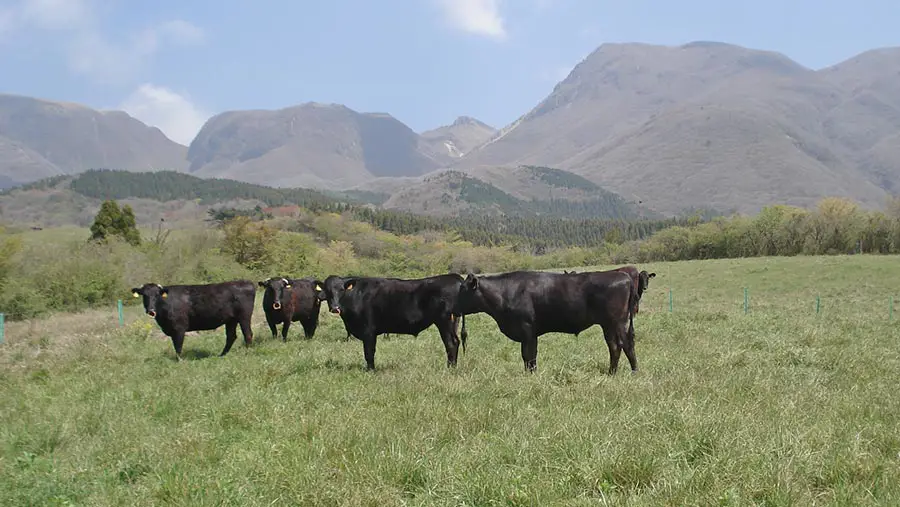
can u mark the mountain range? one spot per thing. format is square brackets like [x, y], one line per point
[705, 124]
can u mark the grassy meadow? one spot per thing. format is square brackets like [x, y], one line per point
[779, 406]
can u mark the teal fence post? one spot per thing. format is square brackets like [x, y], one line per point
[121, 315]
[2, 327]
[670, 300]
[817, 304]
[746, 301]
[891, 311]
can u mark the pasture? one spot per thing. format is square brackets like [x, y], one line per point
[779, 406]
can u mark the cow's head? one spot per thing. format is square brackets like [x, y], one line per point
[470, 298]
[278, 286]
[153, 293]
[333, 290]
[644, 281]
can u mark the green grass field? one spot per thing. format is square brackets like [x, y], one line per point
[776, 407]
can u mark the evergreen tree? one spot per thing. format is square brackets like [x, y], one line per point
[113, 221]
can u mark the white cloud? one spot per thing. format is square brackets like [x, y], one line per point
[481, 17]
[181, 32]
[56, 14]
[87, 49]
[166, 110]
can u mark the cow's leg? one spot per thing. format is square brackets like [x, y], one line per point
[247, 331]
[628, 344]
[529, 352]
[369, 342]
[178, 343]
[612, 342]
[284, 330]
[272, 327]
[230, 337]
[451, 341]
[309, 328]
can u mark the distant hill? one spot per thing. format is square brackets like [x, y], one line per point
[183, 200]
[311, 145]
[461, 136]
[714, 124]
[41, 138]
[527, 191]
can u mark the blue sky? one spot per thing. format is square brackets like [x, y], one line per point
[174, 63]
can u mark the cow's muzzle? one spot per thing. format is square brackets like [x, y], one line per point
[335, 310]
[276, 306]
[151, 313]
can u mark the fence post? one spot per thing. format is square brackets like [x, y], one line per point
[891, 311]
[817, 304]
[2, 327]
[121, 316]
[746, 301]
[670, 299]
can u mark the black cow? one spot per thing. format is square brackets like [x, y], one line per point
[528, 304]
[372, 306]
[182, 308]
[291, 300]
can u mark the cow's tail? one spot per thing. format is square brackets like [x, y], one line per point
[463, 334]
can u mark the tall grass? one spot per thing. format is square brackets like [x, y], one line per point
[781, 406]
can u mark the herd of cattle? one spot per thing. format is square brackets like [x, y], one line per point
[524, 304]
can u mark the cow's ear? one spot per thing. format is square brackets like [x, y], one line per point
[318, 285]
[471, 281]
[651, 275]
[164, 293]
[136, 292]
[349, 283]
[262, 283]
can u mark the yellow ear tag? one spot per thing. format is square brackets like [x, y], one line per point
[135, 295]
[318, 287]
[165, 295]
[288, 286]
[350, 286]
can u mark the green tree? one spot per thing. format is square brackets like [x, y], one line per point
[113, 221]
[251, 244]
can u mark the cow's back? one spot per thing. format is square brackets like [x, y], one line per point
[203, 307]
[403, 306]
[303, 298]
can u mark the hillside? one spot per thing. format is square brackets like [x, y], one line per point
[461, 136]
[41, 138]
[715, 125]
[311, 145]
[182, 200]
[522, 191]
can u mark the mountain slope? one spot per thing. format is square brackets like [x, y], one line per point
[704, 124]
[40, 138]
[461, 136]
[521, 191]
[323, 145]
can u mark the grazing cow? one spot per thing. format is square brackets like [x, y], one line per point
[640, 280]
[372, 306]
[182, 308]
[528, 304]
[291, 300]
[639, 283]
